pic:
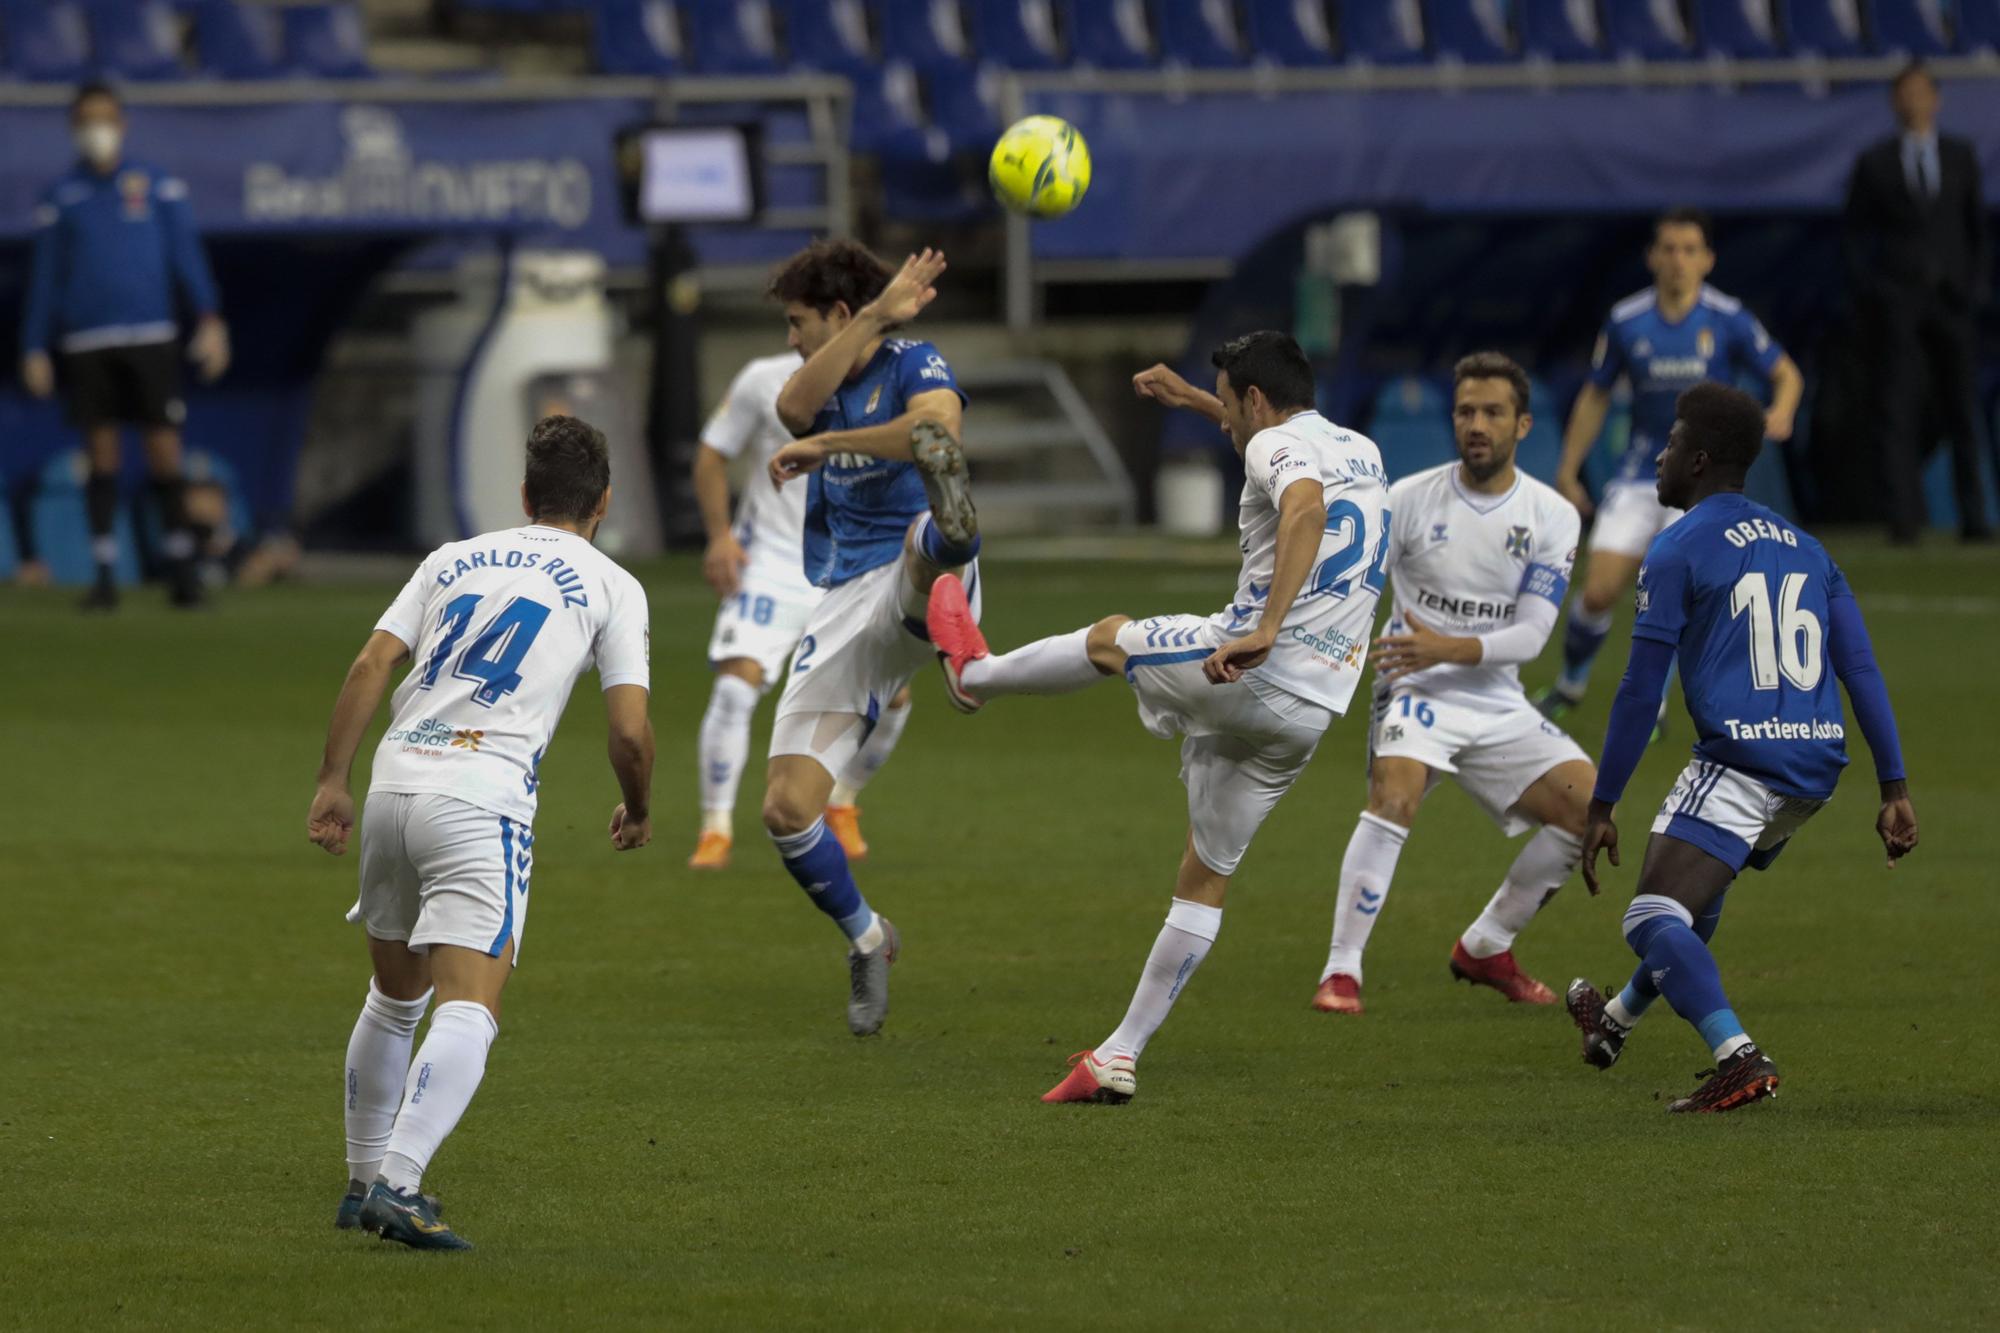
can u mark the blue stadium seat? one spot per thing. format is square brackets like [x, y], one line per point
[829, 35]
[136, 39]
[1829, 28]
[327, 41]
[60, 528]
[1019, 34]
[1290, 32]
[1979, 25]
[888, 116]
[235, 41]
[1201, 34]
[732, 36]
[927, 35]
[1411, 423]
[962, 106]
[638, 38]
[1740, 29]
[1110, 34]
[1648, 30]
[1474, 31]
[44, 41]
[1911, 28]
[1562, 29]
[1383, 32]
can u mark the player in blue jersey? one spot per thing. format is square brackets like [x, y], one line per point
[1677, 333]
[887, 511]
[1756, 611]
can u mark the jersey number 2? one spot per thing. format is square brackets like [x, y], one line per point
[1787, 645]
[492, 660]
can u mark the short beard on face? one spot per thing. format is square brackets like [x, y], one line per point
[1487, 470]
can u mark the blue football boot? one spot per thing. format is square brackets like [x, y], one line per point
[408, 1218]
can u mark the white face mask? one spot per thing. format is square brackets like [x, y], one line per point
[99, 144]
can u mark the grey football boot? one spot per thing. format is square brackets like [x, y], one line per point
[947, 482]
[868, 983]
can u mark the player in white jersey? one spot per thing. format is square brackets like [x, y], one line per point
[756, 564]
[1252, 688]
[1480, 555]
[496, 629]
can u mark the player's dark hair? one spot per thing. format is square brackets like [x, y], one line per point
[569, 465]
[1916, 69]
[1725, 423]
[827, 273]
[1493, 366]
[1270, 361]
[1687, 217]
[94, 88]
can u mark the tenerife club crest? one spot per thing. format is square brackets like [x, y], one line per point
[1519, 541]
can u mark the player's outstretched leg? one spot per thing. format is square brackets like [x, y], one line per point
[843, 808]
[1606, 1018]
[1060, 664]
[724, 750]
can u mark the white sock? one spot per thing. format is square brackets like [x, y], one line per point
[1548, 859]
[1183, 942]
[725, 746]
[378, 1059]
[1365, 873]
[874, 753]
[1731, 1045]
[1057, 665]
[1615, 1010]
[440, 1085]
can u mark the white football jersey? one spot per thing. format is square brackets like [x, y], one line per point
[499, 628]
[1463, 562]
[1323, 643]
[770, 521]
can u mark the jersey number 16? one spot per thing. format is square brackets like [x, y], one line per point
[1787, 645]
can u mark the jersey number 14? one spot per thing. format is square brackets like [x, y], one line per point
[1787, 644]
[492, 661]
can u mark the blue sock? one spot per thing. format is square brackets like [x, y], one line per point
[819, 864]
[942, 553]
[1582, 637]
[1640, 992]
[1661, 932]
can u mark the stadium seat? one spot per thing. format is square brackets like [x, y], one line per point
[638, 38]
[829, 35]
[136, 39]
[1474, 31]
[1290, 32]
[927, 35]
[1911, 28]
[235, 41]
[1110, 34]
[1979, 25]
[44, 41]
[60, 529]
[1740, 29]
[1019, 34]
[888, 116]
[1648, 30]
[1410, 421]
[1562, 29]
[327, 41]
[1383, 32]
[961, 105]
[1201, 34]
[732, 36]
[1828, 28]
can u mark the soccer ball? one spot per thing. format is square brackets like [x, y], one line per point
[1041, 166]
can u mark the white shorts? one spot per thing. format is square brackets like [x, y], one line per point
[1497, 747]
[1629, 516]
[763, 622]
[435, 870]
[1731, 815]
[865, 640]
[1239, 754]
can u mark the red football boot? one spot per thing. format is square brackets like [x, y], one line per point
[1338, 994]
[1111, 1082]
[956, 636]
[1501, 973]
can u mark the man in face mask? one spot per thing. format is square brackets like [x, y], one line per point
[116, 264]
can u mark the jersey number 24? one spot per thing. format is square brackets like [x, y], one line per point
[1335, 576]
[492, 661]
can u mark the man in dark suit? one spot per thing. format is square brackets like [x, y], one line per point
[1919, 262]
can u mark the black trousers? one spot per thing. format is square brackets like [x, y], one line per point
[1924, 358]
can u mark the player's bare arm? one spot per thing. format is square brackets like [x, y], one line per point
[1301, 519]
[1398, 655]
[890, 440]
[1788, 386]
[1165, 387]
[330, 820]
[813, 383]
[722, 563]
[1600, 834]
[1586, 423]
[631, 750]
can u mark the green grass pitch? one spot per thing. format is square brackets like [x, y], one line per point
[677, 1131]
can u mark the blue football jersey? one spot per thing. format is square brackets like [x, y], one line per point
[858, 507]
[1717, 340]
[1742, 596]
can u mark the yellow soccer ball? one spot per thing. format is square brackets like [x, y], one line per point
[1041, 166]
